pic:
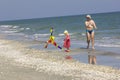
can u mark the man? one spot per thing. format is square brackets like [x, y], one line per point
[90, 26]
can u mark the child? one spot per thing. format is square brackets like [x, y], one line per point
[66, 41]
[52, 40]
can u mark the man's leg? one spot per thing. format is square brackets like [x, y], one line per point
[92, 38]
[88, 39]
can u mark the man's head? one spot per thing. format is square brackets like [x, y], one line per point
[88, 17]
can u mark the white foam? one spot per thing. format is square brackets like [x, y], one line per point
[106, 38]
[22, 29]
[15, 27]
[27, 28]
[60, 34]
[83, 34]
[10, 32]
[6, 26]
[108, 45]
[117, 57]
[39, 35]
[63, 34]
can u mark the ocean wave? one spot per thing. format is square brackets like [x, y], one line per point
[9, 29]
[38, 36]
[15, 27]
[9, 26]
[10, 32]
[6, 26]
[12, 29]
[21, 29]
[117, 57]
[108, 41]
[108, 45]
[44, 35]
[27, 28]
[60, 34]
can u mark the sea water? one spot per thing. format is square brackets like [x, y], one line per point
[107, 36]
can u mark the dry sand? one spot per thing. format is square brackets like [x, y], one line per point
[18, 62]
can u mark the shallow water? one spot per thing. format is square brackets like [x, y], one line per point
[105, 60]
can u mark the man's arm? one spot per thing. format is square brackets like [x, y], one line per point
[94, 25]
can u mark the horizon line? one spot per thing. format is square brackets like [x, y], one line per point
[56, 16]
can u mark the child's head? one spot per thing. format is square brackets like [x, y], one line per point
[51, 29]
[65, 32]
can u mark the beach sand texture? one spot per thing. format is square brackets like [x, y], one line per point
[18, 62]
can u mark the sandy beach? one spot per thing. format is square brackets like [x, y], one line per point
[17, 61]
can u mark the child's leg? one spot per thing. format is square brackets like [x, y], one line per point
[47, 42]
[46, 45]
[68, 50]
[55, 44]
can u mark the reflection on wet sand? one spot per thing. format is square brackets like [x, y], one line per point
[92, 57]
[68, 57]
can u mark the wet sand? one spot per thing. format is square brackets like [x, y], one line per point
[18, 61]
[9, 71]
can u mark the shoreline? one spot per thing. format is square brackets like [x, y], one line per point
[53, 63]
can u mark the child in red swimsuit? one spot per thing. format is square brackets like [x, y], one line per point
[67, 41]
